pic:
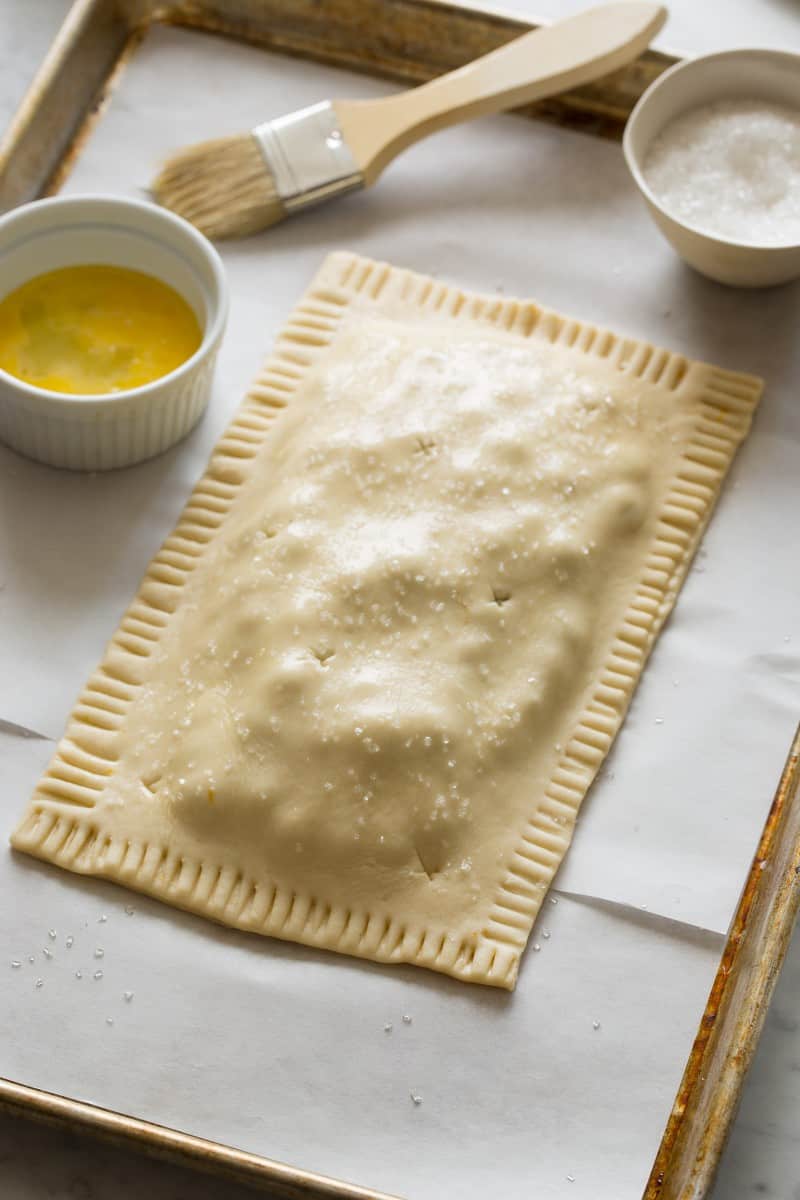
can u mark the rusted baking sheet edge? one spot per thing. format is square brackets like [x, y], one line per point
[708, 1096]
[405, 40]
[157, 1141]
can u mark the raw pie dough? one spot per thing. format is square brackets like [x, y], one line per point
[369, 678]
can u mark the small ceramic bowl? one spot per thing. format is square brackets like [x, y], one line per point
[95, 433]
[772, 75]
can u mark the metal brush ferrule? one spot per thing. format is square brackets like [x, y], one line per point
[308, 157]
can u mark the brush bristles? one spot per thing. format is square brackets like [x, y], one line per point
[223, 186]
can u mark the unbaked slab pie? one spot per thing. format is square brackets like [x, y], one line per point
[367, 681]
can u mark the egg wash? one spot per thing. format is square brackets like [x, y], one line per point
[93, 329]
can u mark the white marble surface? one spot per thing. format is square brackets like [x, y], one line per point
[763, 1157]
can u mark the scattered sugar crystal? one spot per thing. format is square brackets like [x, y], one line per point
[416, 1098]
[15, 963]
[99, 952]
[731, 168]
[595, 1025]
[406, 1019]
[70, 942]
[388, 1027]
[39, 983]
[98, 974]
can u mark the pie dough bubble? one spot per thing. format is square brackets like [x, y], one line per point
[623, 507]
[565, 553]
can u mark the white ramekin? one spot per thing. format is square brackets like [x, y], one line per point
[772, 75]
[95, 433]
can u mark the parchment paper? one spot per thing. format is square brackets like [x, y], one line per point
[282, 1050]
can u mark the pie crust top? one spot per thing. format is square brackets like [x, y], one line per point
[369, 678]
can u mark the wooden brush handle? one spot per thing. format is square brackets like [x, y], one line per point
[540, 63]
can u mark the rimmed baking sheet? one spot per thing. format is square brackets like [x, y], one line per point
[283, 1051]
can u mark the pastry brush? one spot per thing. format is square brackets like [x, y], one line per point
[239, 185]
